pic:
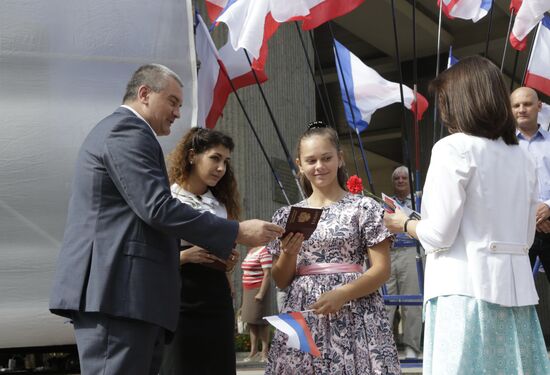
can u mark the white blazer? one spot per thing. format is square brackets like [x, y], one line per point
[478, 221]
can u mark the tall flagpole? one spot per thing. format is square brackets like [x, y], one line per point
[321, 98]
[437, 72]
[416, 125]
[277, 130]
[506, 41]
[406, 153]
[322, 75]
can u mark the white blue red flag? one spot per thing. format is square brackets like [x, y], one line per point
[466, 9]
[451, 60]
[213, 86]
[528, 16]
[251, 23]
[538, 70]
[299, 334]
[368, 91]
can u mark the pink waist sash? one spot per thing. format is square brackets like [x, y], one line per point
[327, 268]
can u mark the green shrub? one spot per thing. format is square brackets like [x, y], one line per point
[242, 342]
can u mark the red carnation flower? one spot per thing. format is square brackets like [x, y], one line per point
[355, 184]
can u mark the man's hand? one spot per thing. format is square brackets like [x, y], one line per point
[543, 213]
[544, 226]
[257, 232]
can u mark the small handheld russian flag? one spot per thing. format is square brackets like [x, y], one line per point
[451, 60]
[295, 326]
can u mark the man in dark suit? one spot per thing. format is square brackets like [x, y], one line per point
[117, 274]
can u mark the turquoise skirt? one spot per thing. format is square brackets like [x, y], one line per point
[464, 335]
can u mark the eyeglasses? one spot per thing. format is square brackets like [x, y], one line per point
[316, 125]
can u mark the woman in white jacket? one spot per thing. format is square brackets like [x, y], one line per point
[478, 222]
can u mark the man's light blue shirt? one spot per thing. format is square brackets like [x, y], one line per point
[538, 147]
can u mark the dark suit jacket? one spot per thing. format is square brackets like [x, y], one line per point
[120, 249]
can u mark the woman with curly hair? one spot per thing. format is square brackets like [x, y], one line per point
[202, 177]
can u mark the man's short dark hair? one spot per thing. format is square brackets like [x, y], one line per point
[153, 76]
[474, 99]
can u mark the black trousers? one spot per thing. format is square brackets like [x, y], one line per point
[541, 249]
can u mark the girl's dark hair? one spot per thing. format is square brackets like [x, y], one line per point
[473, 99]
[200, 140]
[321, 130]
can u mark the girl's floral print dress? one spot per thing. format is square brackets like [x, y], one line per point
[358, 339]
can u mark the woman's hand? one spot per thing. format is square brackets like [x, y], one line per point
[329, 302]
[232, 260]
[394, 222]
[196, 254]
[292, 243]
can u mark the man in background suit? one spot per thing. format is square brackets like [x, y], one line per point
[117, 274]
[536, 141]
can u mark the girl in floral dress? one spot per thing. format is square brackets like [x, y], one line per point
[325, 273]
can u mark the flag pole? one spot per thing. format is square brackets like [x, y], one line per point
[489, 29]
[321, 98]
[275, 175]
[363, 155]
[405, 136]
[352, 143]
[277, 130]
[416, 124]
[416, 197]
[322, 75]
[510, 22]
[437, 73]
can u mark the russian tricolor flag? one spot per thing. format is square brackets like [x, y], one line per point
[295, 326]
[451, 60]
[529, 14]
[466, 9]
[368, 91]
[538, 70]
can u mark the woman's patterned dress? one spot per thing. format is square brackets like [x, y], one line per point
[358, 339]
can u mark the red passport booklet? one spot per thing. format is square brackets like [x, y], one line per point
[302, 220]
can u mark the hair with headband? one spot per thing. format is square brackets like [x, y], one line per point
[319, 128]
